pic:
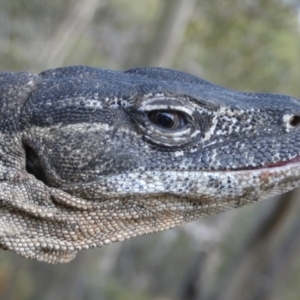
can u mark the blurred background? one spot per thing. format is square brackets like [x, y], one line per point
[250, 45]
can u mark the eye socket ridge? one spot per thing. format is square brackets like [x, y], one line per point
[168, 119]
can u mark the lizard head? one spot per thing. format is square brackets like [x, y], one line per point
[98, 133]
[126, 153]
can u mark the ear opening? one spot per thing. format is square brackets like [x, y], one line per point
[33, 164]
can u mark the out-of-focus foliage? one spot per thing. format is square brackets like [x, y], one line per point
[246, 44]
[243, 44]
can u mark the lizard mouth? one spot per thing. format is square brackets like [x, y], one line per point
[284, 163]
[278, 164]
[272, 165]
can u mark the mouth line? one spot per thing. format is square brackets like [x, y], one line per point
[273, 165]
[284, 163]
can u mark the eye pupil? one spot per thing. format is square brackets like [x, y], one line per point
[165, 119]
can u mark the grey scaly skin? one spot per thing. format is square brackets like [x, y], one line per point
[91, 156]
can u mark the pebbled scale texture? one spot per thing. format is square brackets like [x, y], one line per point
[82, 164]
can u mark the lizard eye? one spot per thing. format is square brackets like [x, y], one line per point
[171, 119]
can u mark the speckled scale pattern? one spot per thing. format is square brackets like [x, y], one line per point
[82, 165]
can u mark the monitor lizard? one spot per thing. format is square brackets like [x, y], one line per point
[93, 156]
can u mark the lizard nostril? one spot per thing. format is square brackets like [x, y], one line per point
[294, 121]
